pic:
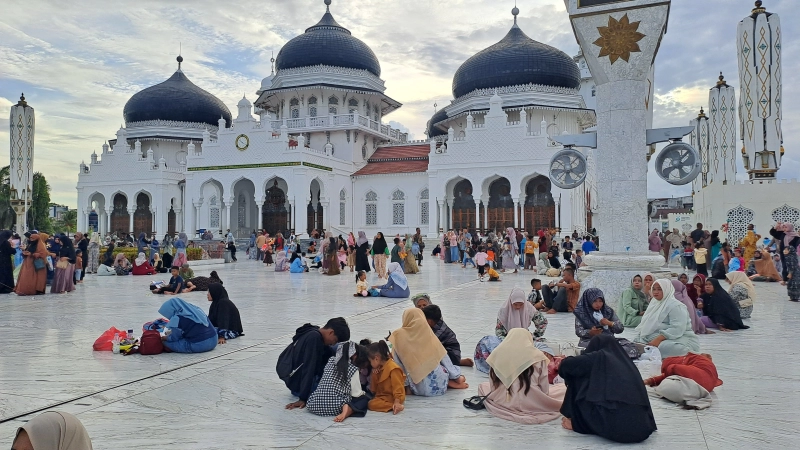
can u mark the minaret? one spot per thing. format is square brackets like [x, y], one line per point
[699, 139]
[23, 128]
[758, 41]
[722, 132]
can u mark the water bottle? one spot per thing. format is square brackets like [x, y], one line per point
[115, 344]
[131, 337]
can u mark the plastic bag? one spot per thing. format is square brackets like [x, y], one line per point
[649, 364]
[104, 344]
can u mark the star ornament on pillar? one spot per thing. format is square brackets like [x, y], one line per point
[619, 39]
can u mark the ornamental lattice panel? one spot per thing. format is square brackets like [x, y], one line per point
[738, 219]
[787, 213]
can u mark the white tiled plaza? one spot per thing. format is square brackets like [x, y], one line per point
[231, 398]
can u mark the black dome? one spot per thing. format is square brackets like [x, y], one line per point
[515, 60]
[436, 118]
[176, 99]
[330, 44]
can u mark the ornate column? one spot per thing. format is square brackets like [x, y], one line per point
[109, 210]
[516, 214]
[178, 221]
[326, 215]
[260, 203]
[485, 213]
[477, 214]
[130, 220]
[440, 219]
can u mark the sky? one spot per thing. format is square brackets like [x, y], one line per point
[79, 62]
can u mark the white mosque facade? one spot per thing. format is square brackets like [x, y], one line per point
[312, 152]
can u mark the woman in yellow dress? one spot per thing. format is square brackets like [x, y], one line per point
[749, 243]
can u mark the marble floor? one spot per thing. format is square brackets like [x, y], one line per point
[230, 398]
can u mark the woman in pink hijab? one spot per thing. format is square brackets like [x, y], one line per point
[683, 296]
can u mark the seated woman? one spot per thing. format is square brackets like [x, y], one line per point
[516, 312]
[742, 291]
[189, 330]
[648, 281]
[223, 314]
[200, 283]
[104, 270]
[167, 258]
[765, 269]
[296, 264]
[696, 367]
[423, 358]
[141, 266]
[281, 264]
[397, 284]
[519, 390]
[421, 300]
[52, 430]
[633, 304]
[699, 286]
[543, 265]
[666, 323]
[185, 271]
[683, 297]
[605, 394]
[121, 265]
[159, 264]
[719, 309]
[594, 317]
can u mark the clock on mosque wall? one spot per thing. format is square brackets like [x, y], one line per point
[588, 3]
[242, 142]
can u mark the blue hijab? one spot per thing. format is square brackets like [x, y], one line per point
[175, 308]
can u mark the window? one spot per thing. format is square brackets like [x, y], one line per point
[424, 207]
[342, 207]
[294, 102]
[371, 208]
[332, 110]
[295, 113]
[213, 212]
[398, 195]
[398, 207]
[332, 102]
[312, 107]
[352, 106]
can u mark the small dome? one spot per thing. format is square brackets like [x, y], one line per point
[176, 99]
[432, 131]
[327, 43]
[244, 102]
[516, 60]
[266, 83]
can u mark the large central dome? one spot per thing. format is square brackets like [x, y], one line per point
[515, 60]
[327, 43]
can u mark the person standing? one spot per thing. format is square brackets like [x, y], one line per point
[420, 243]
[362, 252]
[82, 244]
[93, 256]
[697, 234]
[380, 249]
[63, 280]
[6, 265]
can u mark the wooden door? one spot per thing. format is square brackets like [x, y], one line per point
[463, 218]
[500, 218]
[540, 217]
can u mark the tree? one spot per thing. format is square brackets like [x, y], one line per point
[68, 222]
[7, 215]
[39, 209]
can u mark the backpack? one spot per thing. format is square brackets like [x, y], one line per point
[150, 343]
[285, 366]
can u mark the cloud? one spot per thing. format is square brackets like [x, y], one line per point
[78, 66]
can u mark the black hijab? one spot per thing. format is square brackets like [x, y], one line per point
[721, 308]
[167, 258]
[554, 262]
[379, 246]
[67, 249]
[223, 313]
[295, 255]
[584, 312]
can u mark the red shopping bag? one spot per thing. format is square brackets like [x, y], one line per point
[104, 344]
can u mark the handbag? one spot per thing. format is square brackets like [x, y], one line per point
[62, 264]
[39, 263]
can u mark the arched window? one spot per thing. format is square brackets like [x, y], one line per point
[213, 212]
[342, 207]
[332, 102]
[312, 100]
[295, 113]
[312, 106]
[352, 106]
[294, 102]
[424, 207]
[371, 208]
[398, 207]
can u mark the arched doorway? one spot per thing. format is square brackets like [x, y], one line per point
[540, 208]
[245, 211]
[142, 218]
[463, 206]
[274, 215]
[500, 213]
[94, 221]
[314, 211]
[120, 220]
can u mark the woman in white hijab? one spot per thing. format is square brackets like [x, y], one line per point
[666, 323]
[52, 430]
[397, 285]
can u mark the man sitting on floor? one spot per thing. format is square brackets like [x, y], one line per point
[433, 314]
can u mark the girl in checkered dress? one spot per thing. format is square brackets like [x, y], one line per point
[339, 392]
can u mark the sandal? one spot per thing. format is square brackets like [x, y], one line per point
[475, 402]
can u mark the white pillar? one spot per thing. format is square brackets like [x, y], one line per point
[477, 214]
[130, 220]
[326, 215]
[109, 210]
[516, 213]
[452, 212]
[178, 221]
[485, 213]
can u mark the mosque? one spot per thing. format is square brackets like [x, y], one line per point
[312, 151]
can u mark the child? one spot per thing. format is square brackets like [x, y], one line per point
[490, 256]
[481, 260]
[175, 285]
[579, 258]
[700, 255]
[535, 297]
[469, 254]
[339, 391]
[387, 380]
[530, 254]
[687, 262]
[362, 289]
[433, 315]
[493, 275]
[78, 266]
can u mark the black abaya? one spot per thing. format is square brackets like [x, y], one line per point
[721, 308]
[605, 393]
[6, 265]
[223, 313]
[362, 260]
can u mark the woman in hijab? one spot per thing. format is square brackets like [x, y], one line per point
[331, 252]
[421, 300]
[362, 251]
[508, 255]
[516, 312]
[765, 269]
[519, 390]
[142, 244]
[633, 304]
[397, 283]
[544, 264]
[6, 264]
[93, 253]
[63, 281]
[719, 309]
[180, 250]
[742, 291]
[410, 261]
[201, 283]
[52, 430]
[141, 266]
[189, 330]
[423, 358]
[121, 264]
[594, 317]
[380, 250]
[698, 286]
[792, 280]
[666, 323]
[108, 256]
[281, 263]
[654, 241]
[785, 235]
[605, 394]
[552, 258]
[223, 314]
[158, 264]
[680, 293]
[648, 281]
